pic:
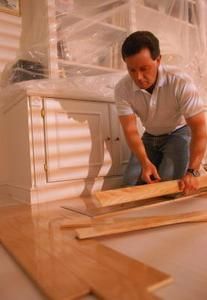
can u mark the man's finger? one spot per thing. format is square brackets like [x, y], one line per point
[147, 179]
[154, 179]
[155, 175]
[181, 185]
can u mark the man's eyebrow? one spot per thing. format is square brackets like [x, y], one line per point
[145, 66]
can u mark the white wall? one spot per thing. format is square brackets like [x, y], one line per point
[10, 27]
[3, 159]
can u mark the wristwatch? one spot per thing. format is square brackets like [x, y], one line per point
[194, 172]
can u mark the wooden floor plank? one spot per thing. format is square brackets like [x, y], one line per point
[141, 192]
[53, 278]
[143, 276]
[118, 210]
[111, 210]
[18, 234]
[139, 224]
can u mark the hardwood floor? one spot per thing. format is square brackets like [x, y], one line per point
[22, 287]
[113, 267]
[65, 268]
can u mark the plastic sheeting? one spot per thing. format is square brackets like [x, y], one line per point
[70, 38]
[78, 87]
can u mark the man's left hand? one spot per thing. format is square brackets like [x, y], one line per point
[188, 184]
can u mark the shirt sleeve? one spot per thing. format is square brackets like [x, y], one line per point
[122, 104]
[189, 101]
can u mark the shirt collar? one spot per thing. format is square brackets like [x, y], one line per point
[160, 80]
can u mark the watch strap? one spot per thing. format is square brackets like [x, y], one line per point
[194, 172]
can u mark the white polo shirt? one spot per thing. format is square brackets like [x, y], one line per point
[174, 99]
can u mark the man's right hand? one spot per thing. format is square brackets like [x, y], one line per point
[149, 173]
[129, 125]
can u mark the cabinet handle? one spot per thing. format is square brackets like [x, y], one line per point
[117, 139]
[107, 139]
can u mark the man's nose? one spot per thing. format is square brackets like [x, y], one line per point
[139, 76]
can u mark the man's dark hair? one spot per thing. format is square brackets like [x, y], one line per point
[138, 41]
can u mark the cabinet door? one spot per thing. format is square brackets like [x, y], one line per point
[77, 139]
[120, 148]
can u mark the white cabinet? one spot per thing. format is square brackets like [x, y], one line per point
[60, 147]
[77, 139]
[83, 139]
[120, 150]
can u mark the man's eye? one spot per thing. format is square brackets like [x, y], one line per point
[144, 69]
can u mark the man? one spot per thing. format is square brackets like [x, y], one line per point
[168, 105]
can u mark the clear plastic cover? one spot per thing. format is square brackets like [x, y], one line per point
[69, 39]
[78, 87]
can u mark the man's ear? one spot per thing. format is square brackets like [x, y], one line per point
[158, 59]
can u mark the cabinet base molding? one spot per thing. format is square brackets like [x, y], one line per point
[61, 190]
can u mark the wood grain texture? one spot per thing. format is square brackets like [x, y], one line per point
[53, 268]
[143, 276]
[141, 192]
[139, 224]
[45, 270]
[102, 211]
[65, 268]
[53, 279]
[176, 250]
[76, 224]
[79, 208]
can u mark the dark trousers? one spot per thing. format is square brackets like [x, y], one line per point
[168, 152]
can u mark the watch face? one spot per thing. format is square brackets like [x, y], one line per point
[196, 173]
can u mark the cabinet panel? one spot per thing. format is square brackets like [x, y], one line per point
[77, 139]
[120, 148]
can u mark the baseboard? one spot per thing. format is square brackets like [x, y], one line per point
[18, 193]
[62, 190]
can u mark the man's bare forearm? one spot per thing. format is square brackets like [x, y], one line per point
[129, 125]
[197, 149]
[198, 144]
[136, 145]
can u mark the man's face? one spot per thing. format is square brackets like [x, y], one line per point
[142, 68]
